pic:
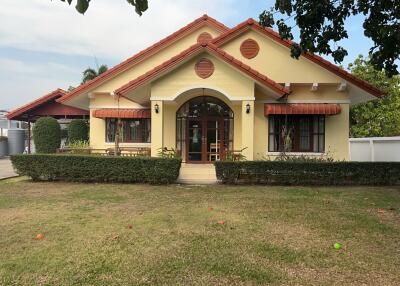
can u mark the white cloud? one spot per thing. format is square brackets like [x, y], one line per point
[108, 29]
[21, 82]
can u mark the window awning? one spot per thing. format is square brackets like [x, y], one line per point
[122, 113]
[302, 108]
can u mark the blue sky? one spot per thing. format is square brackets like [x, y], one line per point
[45, 45]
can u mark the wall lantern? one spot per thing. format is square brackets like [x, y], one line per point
[156, 108]
[247, 108]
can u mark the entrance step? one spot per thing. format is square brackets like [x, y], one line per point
[197, 174]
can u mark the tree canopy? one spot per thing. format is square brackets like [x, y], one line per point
[379, 117]
[89, 73]
[322, 25]
[82, 5]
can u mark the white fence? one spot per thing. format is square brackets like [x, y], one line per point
[375, 149]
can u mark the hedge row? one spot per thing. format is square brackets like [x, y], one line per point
[81, 168]
[309, 173]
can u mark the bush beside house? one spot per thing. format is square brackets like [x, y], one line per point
[47, 135]
[309, 173]
[78, 130]
[80, 168]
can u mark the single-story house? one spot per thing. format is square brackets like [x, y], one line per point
[208, 89]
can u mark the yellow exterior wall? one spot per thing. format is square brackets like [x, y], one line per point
[337, 134]
[157, 127]
[274, 61]
[97, 135]
[225, 79]
[154, 60]
[260, 131]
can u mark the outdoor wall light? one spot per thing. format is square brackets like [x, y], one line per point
[247, 108]
[156, 108]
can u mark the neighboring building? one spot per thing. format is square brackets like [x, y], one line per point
[6, 124]
[207, 89]
[46, 105]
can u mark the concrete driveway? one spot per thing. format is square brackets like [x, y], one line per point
[6, 169]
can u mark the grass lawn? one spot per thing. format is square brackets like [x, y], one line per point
[99, 234]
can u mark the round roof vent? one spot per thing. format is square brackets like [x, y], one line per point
[249, 49]
[204, 68]
[204, 37]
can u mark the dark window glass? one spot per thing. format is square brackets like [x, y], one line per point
[304, 133]
[132, 130]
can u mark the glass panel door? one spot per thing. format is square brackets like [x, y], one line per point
[213, 140]
[195, 141]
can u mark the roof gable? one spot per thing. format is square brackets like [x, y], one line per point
[45, 106]
[203, 21]
[190, 53]
[252, 25]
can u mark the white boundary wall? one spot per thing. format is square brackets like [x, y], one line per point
[375, 149]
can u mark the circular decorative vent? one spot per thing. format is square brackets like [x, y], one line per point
[249, 49]
[204, 37]
[204, 68]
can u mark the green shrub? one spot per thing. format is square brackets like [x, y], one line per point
[47, 135]
[78, 130]
[309, 173]
[84, 168]
[78, 144]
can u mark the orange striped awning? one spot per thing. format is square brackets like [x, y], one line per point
[122, 113]
[302, 108]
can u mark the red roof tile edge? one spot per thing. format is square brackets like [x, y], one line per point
[252, 24]
[302, 108]
[196, 49]
[41, 100]
[145, 53]
[122, 113]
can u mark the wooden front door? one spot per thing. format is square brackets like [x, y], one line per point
[204, 140]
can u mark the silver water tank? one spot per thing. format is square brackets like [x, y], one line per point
[3, 146]
[16, 141]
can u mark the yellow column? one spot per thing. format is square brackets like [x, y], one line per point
[156, 126]
[248, 129]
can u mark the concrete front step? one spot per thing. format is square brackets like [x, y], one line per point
[197, 174]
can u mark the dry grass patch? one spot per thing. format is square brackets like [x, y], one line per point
[108, 234]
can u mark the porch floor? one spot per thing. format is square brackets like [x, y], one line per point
[197, 174]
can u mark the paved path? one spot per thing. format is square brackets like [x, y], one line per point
[6, 169]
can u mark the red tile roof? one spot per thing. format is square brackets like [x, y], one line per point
[252, 24]
[195, 50]
[36, 103]
[122, 113]
[302, 108]
[204, 20]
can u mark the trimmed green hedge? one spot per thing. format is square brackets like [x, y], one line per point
[81, 168]
[78, 130]
[309, 173]
[46, 135]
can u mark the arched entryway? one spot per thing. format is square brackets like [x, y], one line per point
[204, 128]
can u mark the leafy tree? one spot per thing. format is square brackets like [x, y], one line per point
[47, 135]
[90, 73]
[379, 117]
[321, 24]
[82, 5]
[78, 130]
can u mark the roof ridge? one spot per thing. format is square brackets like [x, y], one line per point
[122, 66]
[251, 23]
[54, 94]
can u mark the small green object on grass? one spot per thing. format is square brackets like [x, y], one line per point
[337, 246]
